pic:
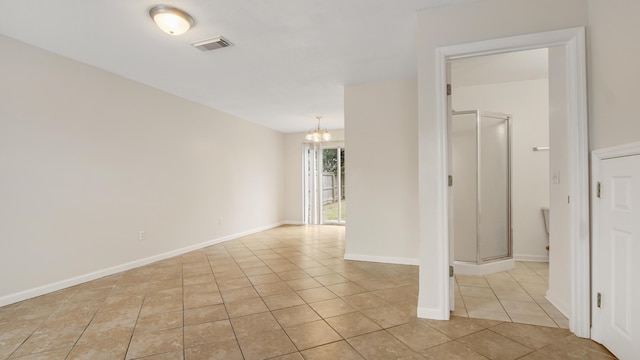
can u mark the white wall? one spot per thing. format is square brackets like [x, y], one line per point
[382, 178]
[614, 74]
[293, 177]
[89, 159]
[440, 27]
[528, 103]
[559, 292]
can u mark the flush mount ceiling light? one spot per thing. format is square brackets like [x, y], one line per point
[318, 135]
[171, 20]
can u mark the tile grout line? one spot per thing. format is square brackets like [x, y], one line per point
[215, 279]
[308, 253]
[531, 296]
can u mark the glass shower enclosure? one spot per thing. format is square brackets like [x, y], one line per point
[481, 186]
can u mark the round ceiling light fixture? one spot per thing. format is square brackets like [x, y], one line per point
[171, 20]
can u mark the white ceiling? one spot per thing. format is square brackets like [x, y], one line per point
[289, 64]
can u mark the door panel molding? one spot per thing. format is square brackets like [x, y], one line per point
[598, 266]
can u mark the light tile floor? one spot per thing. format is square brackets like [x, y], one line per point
[517, 295]
[285, 293]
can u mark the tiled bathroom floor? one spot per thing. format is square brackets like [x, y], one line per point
[286, 293]
[517, 295]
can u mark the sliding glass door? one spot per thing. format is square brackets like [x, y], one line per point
[324, 184]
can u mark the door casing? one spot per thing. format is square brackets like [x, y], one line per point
[573, 40]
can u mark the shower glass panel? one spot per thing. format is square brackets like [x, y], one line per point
[493, 217]
[481, 186]
[465, 166]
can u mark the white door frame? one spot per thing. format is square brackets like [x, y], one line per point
[597, 157]
[577, 146]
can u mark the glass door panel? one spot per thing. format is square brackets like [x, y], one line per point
[342, 212]
[330, 190]
[465, 192]
[493, 187]
[324, 185]
[332, 182]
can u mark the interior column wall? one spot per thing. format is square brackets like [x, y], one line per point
[382, 179]
[613, 72]
[482, 20]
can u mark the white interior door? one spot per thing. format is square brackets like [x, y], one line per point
[616, 315]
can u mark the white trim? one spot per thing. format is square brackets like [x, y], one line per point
[531, 258]
[383, 259]
[462, 268]
[304, 185]
[59, 285]
[293, 222]
[597, 157]
[578, 186]
[430, 313]
[630, 149]
[577, 144]
[558, 304]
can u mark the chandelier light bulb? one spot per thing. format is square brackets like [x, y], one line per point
[326, 136]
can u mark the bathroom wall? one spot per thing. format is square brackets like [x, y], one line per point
[528, 103]
[559, 292]
[382, 179]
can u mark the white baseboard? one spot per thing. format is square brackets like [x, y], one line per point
[462, 268]
[59, 285]
[292, 222]
[383, 259]
[434, 314]
[531, 258]
[559, 304]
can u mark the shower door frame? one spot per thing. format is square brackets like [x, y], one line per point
[507, 118]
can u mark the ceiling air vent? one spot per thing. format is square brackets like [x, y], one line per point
[211, 43]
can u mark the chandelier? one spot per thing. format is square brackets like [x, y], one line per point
[318, 135]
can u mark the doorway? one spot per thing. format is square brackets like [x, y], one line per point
[435, 262]
[500, 187]
[325, 200]
[519, 84]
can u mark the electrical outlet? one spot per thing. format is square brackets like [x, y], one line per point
[219, 221]
[141, 235]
